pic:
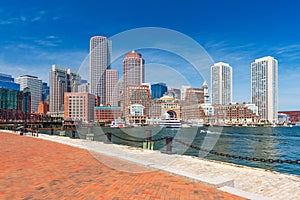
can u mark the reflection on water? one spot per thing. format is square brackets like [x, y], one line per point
[259, 142]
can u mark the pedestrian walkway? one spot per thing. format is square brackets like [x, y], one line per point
[251, 183]
[32, 168]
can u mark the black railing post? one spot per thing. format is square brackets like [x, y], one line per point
[73, 133]
[108, 136]
[169, 144]
[168, 150]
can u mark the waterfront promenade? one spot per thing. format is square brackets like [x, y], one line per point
[32, 168]
[36, 167]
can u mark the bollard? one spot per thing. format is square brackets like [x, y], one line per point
[169, 146]
[149, 144]
[73, 134]
[108, 136]
[21, 131]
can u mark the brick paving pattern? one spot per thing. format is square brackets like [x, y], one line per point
[36, 169]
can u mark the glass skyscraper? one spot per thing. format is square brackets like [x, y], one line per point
[221, 83]
[158, 90]
[264, 87]
[7, 81]
[100, 58]
[46, 92]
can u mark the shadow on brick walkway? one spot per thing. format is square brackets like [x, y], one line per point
[36, 169]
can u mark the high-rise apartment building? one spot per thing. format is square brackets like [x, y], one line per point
[264, 87]
[111, 87]
[133, 75]
[35, 86]
[61, 80]
[221, 83]
[100, 58]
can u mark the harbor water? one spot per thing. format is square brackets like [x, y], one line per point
[274, 143]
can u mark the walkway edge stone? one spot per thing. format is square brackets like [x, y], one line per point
[242, 193]
[216, 182]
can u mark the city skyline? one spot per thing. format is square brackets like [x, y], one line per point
[233, 38]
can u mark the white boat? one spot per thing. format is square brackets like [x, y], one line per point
[170, 123]
[117, 124]
[198, 125]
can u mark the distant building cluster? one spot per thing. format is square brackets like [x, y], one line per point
[104, 99]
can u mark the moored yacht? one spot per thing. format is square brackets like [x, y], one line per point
[170, 123]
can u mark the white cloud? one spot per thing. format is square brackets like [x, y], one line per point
[38, 18]
[25, 17]
[48, 43]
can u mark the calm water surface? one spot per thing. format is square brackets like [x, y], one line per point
[259, 142]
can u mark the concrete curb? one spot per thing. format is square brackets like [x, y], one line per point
[242, 193]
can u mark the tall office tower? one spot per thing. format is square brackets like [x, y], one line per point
[133, 69]
[100, 58]
[133, 75]
[35, 86]
[221, 83]
[61, 80]
[264, 87]
[158, 90]
[111, 87]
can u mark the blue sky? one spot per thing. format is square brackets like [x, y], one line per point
[36, 34]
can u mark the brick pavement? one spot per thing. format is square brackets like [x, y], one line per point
[37, 169]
